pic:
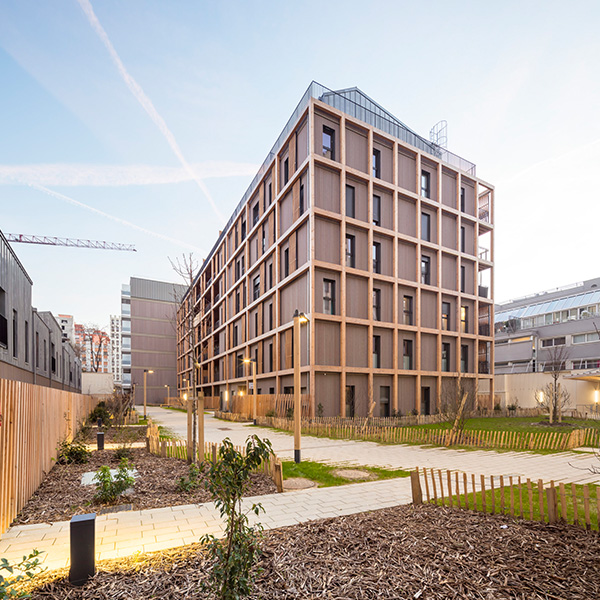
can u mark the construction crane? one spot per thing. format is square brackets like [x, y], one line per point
[70, 242]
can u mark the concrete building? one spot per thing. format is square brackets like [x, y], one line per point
[530, 329]
[148, 340]
[115, 349]
[67, 325]
[32, 347]
[381, 237]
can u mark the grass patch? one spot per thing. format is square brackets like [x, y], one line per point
[495, 500]
[164, 433]
[322, 474]
[176, 408]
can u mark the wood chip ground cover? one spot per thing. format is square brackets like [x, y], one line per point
[406, 552]
[61, 495]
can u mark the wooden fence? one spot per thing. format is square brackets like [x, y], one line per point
[536, 501]
[279, 405]
[33, 421]
[177, 448]
[364, 429]
[210, 402]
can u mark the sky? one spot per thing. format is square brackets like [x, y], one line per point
[144, 122]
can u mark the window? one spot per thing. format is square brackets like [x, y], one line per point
[126, 342]
[3, 320]
[463, 239]
[255, 214]
[407, 354]
[235, 335]
[425, 184]
[328, 142]
[301, 200]
[350, 251]
[237, 301]
[270, 357]
[376, 351]
[270, 275]
[445, 356]
[407, 310]
[464, 358]
[53, 357]
[37, 349]
[350, 401]
[462, 199]
[270, 316]
[463, 279]
[426, 227]
[376, 210]
[587, 363]
[286, 262]
[464, 319]
[384, 401]
[425, 270]
[286, 171]
[446, 316]
[350, 196]
[15, 336]
[240, 365]
[328, 297]
[243, 230]
[270, 194]
[557, 341]
[264, 240]
[376, 257]
[376, 163]
[256, 287]
[376, 304]
[582, 338]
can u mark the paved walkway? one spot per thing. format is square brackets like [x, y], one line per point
[125, 533]
[562, 466]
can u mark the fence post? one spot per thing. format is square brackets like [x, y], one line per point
[415, 486]
[552, 505]
[278, 475]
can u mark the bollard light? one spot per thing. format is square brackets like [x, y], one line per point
[83, 548]
[100, 440]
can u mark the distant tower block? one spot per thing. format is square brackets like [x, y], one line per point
[439, 134]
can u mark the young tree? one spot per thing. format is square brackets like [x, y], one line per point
[94, 342]
[186, 267]
[458, 401]
[553, 396]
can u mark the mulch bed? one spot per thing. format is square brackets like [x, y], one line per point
[61, 494]
[116, 435]
[424, 552]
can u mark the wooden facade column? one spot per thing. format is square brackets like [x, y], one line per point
[312, 375]
[343, 283]
[370, 264]
[417, 307]
[395, 294]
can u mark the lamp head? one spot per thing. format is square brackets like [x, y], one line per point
[247, 360]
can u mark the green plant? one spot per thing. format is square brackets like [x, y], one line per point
[125, 438]
[289, 413]
[497, 407]
[30, 566]
[191, 482]
[414, 412]
[234, 558]
[100, 412]
[512, 407]
[319, 410]
[109, 488]
[72, 452]
[270, 413]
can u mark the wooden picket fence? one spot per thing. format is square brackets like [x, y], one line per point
[364, 429]
[177, 448]
[278, 404]
[34, 420]
[510, 495]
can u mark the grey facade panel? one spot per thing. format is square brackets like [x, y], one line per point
[156, 290]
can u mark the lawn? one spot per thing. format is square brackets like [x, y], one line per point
[323, 474]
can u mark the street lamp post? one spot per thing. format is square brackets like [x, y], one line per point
[299, 318]
[146, 371]
[168, 392]
[254, 408]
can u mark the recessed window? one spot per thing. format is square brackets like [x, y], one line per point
[463, 239]
[464, 358]
[407, 354]
[376, 251]
[446, 316]
[328, 297]
[463, 279]
[376, 163]
[426, 227]
[3, 320]
[328, 142]
[463, 200]
[270, 275]
[301, 200]
[235, 335]
[464, 319]
[425, 270]
[270, 194]
[255, 214]
[350, 251]
[243, 230]
[557, 341]
[15, 336]
[445, 356]
[350, 199]
[26, 341]
[286, 171]
[286, 262]
[407, 310]
[384, 401]
[376, 210]
[376, 304]
[425, 184]
[376, 351]
[264, 240]
[256, 287]
[270, 316]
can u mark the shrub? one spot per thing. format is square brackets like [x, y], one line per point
[30, 565]
[414, 412]
[233, 558]
[72, 452]
[191, 482]
[100, 412]
[289, 413]
[320, 410]
[271, 413]
[512, 407]
[125, 438]
[497, 407]
[109, 488]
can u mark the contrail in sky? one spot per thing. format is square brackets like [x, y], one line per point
[70, 200]
[146, 103]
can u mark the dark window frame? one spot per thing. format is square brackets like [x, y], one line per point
[446, 323]
[377, 210]
[376, 304]
[329, 297]
[350, 250]
[350, 201]
[425, 184]
[426, 226]
[328, 149]
[377, 163]
[445, 366]
[426, 270]
[376, 255]
[376, 351]
[407, 315]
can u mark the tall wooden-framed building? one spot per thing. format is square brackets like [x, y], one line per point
[381, 237]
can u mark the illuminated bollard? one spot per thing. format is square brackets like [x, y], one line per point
[100, 440]
[83, 548]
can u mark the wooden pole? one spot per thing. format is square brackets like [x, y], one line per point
[254, 415]
[201, 425]
[415, 485]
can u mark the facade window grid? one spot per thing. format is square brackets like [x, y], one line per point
[350, 251]
[425, 270]
[376, 304]
[328, 142]
[377, 163]
[350, 201]
[328, 297]
[376, 351]
[407, 310]
[376, 257]
[425, 184]
[446, 324]
[445, 356]
[464, 319]
[376, 210]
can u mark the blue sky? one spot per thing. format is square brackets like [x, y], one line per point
[112, 105]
